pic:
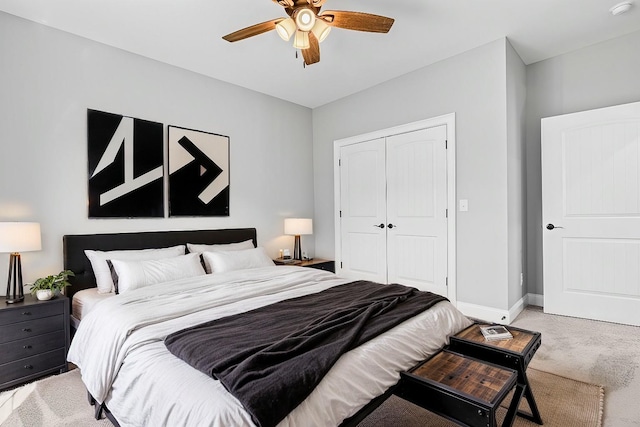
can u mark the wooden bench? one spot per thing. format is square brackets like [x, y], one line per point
[515, 353]
[462, 389]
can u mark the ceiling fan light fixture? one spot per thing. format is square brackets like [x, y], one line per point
[286, 28]
[321, 29]
[305, 19]
[301, 41]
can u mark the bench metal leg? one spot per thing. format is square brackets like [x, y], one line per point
[535, 413]
[513, 407]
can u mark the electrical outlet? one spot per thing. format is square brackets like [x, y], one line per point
[521, 279]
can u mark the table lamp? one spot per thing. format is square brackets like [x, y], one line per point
[297, 227]
[16, 237]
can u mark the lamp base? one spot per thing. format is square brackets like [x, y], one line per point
[15, 291]
[297, 250]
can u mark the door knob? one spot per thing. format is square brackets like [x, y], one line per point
[379, 226]
[551, 226]
[391, 225]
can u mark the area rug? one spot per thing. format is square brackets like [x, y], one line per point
[562, 402]
[61, 400]
[56, 401]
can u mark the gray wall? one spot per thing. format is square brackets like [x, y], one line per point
[49, 78]
[473, 86]
[597, 76]
[516, 98]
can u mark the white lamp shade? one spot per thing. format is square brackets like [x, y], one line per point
[286, 28]
[298, 226]
[305, 19]
[321, 30]
[19, 237]
[301, 41]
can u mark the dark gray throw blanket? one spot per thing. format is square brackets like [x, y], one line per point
[271, 358]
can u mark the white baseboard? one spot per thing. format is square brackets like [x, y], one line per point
[535, 299]
[496, 315]
[481, 312]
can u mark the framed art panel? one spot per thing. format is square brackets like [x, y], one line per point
[126, 169]
[198, 173]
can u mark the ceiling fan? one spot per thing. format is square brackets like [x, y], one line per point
[309, 27]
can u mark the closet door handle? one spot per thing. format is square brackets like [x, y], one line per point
[379, 226]
[391, 226]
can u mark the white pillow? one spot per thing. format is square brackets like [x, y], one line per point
[197, 248]
[138, 274]
[101, 270]
[219, 262]
[247, 244]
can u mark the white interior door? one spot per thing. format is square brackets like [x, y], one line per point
[591, 214]
[363, 211]
[417, 208]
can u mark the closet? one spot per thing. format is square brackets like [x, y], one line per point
[392, 208]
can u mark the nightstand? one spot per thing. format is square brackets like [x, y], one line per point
[34, 339]
[319, 263]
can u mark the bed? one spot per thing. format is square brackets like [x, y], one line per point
[119, 344]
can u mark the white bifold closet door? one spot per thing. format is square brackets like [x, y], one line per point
[393, 201]
[363, 208]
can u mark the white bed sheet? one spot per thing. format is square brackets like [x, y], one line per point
[120, 351]
[85, 300]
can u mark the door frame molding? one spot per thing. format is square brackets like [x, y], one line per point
[448, 120]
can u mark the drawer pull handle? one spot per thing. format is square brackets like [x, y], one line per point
[26, 313]
[27, 347]
[28, 367]
[26, 330]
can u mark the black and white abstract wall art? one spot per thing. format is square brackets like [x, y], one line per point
[126, 169]
[198, 173]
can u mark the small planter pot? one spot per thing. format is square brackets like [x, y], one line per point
[44, 294]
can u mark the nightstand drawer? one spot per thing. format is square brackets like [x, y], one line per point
[32, 366]
[23, 314]
[31, 346]
[22, 330]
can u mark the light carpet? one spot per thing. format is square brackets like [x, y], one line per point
[593, 352]
[62, 401]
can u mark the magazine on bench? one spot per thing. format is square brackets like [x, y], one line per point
[495, 333]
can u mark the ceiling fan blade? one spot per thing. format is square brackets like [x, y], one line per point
[251, 31]
[358, 21]
[312, 55]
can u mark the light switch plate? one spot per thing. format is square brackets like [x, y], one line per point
[464, 205]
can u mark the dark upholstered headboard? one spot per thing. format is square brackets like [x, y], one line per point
[76, 261]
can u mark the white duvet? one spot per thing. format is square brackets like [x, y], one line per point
[120, 351]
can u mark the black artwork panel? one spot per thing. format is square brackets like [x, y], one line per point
[125, 166]
[199, 173]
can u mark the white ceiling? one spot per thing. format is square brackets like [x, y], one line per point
[187, 34]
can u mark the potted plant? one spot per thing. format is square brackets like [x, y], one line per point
[46, 287]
